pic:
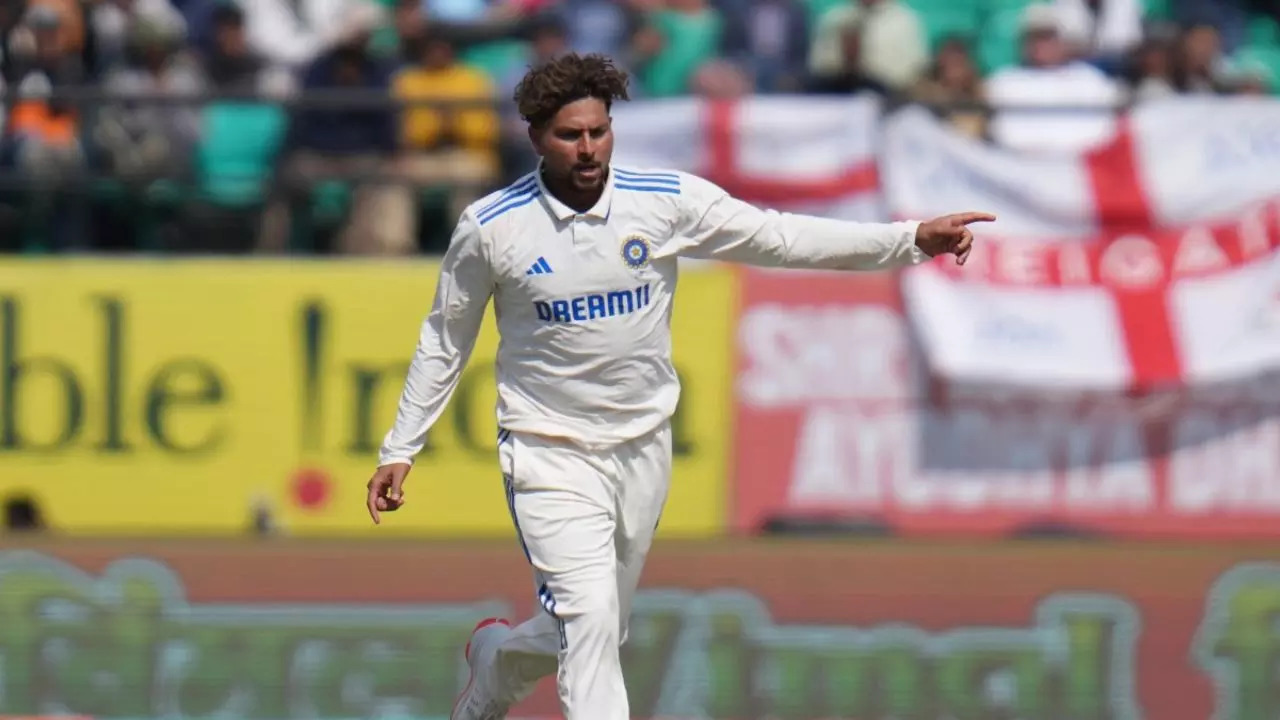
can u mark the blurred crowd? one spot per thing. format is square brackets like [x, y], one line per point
[363, 126]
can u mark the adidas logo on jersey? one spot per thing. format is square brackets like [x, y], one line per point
[539, 268]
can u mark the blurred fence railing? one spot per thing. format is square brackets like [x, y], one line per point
[84, 169]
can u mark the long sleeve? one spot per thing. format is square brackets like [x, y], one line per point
[444, 344]
[714, 225]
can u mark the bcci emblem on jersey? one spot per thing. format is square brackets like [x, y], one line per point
[635, 251]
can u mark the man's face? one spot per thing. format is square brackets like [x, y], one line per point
[231, 40]
[1045, 48]
[1201, 45]
[437, 54]
[576, 144]
[48, 41]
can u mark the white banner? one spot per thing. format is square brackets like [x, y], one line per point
[800, 154]
[1159, 267]
[929, 169]
[1204, 159]
[1028, 336]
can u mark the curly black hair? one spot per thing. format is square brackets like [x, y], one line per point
[547, 88]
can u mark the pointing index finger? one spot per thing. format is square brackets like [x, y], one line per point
[973, 217]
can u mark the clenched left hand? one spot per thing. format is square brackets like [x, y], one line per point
[950, 234]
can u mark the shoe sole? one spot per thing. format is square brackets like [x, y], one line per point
[466, 654]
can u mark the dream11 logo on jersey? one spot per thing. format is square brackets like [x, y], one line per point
[593, 306]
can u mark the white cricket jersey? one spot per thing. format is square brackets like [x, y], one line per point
[583, 300]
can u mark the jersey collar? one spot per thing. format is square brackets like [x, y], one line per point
[564, 212]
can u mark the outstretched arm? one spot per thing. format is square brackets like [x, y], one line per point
[444, 344]
[714, 225]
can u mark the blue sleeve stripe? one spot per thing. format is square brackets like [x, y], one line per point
[648, 181]
[660, 178]
[649, 188]
[516, 189]
[511, 204]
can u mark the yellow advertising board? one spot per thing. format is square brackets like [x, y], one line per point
[177, 396]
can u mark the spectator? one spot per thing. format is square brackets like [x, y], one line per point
[409, 22]
[1050, 102]
[198, 15]
[1103, 31]
[70, 24]
[683, 36]
[294, 33]
[770, 38]
[356, 144]
[893, 48]
[605, 26]
[954, 87]
[548, 39]
[1199, 64]
[146, 140]
[43, 130]
[1150, 69]
[849, 77]
[11, 16]
[447, 145]
[42, 52]
[1228, 18]
[230, 65]
[111, 21]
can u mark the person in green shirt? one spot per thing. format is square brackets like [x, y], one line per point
[689, 33]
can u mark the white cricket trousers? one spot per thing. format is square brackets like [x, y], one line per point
[585, 520]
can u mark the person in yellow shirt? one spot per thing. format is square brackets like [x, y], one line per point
[449, 123]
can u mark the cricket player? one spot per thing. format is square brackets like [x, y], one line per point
[579, 258]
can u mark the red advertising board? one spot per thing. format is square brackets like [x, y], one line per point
[720, 631]
[838, 419]
[825, 375]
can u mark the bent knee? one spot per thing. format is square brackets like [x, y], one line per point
[596, 618]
